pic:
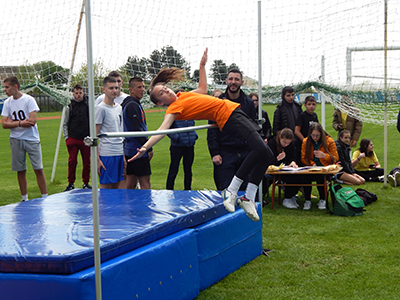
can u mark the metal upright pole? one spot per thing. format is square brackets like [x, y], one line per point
[386, 91]
[322, 98]
[260, 191]
[93, 152]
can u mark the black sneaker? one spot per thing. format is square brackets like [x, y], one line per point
[86, 186]
[69, 187]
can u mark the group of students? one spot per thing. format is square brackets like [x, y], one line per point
[316, 147]
[302, 141]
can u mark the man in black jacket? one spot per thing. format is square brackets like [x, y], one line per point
[285, 116]
[75, 129]
[227, 151]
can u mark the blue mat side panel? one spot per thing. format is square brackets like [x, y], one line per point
[225, 244]
[165, 269]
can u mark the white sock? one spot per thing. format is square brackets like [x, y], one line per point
[24, 197]
[251, 191]
[44, 195]
[235, 184]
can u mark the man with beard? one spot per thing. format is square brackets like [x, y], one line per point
[227, 151]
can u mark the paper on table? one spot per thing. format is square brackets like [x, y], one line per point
[295, 169]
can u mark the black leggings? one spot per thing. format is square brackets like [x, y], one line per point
[257, 161]
[372, 174]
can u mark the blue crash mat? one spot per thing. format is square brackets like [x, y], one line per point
[55, 235]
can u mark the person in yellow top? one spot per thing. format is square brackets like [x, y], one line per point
[366, 163]
[317, 149]
[197, 105]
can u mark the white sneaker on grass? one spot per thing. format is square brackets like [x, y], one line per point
[322, 204]
[294, 201]
[249, 208]
[392, 180]
[397, 177]
[288, 203]
[307, 205]
[229, 200]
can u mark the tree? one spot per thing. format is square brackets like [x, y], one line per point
[51, 73]
[135, 67]
[219, 71]
[233, 66]
[154, 63]
[99, 73]
[196, 75]
[167, 57]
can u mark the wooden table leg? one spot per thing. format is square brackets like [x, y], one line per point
[273, 193]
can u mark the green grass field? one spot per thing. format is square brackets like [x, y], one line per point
[316, 256]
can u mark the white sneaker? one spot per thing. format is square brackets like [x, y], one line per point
[229, 200]
[392, 180]
[397, 177]
[322, 204]
[249, 207]
[307, 205]
[288, 203]
[294, 201]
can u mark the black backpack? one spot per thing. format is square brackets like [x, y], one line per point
[366, 196]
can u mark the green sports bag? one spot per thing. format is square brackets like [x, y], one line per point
[345, 201]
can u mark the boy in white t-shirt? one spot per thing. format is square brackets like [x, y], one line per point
[120, 95]
[19, 115]
[110, 153]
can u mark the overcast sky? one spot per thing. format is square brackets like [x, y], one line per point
[295, 34]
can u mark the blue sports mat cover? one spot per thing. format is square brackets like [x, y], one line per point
[55, 235]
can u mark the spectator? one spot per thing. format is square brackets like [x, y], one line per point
[110, 153]
[347, 116]
[348, 174]
[394, 176]
[286, 114]
[227, 151]
[217, 92]
[266, 124]
[318, 149]
[75, 129]
[182, 146]
[366, 163]
[306, 118]
[19, 115]
[284, 153]
[134, 118]
[120, 96]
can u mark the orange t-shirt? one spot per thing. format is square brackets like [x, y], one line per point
[193, 106]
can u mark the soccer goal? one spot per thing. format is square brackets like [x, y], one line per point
[274, 44]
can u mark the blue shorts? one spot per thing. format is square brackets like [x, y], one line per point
[114, 168]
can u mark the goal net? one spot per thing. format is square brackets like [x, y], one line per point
[303, 43]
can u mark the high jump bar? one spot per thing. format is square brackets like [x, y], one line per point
[155, 132]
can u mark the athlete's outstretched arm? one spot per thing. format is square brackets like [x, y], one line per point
[202, 87]
[166, 124]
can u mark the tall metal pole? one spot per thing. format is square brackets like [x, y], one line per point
[386, 91]
[260, 191]
[323, 98]
[93, 152]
